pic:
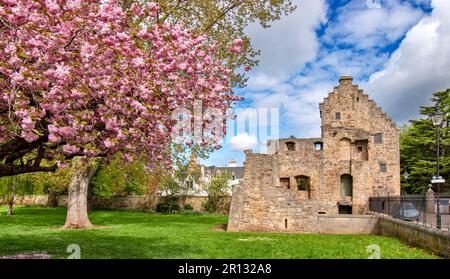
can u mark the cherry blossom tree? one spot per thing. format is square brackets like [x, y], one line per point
[224, 21]
[86, 78]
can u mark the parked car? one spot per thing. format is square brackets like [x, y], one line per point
[407, 211]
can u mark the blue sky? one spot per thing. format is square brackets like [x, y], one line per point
[397, 51]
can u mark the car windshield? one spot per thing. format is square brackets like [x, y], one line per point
[408, 206]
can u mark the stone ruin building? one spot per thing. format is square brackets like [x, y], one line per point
[358, 156]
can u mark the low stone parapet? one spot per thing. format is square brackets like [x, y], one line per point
[430, 239]
[347, 224]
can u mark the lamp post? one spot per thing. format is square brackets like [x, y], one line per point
[438, 119]
[406, 175]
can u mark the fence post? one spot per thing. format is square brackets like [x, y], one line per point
[388, 205]
[430, 203]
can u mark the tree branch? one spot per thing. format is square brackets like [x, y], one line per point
[171, 11]
[18, 147]
[226, 11]
[8, 170]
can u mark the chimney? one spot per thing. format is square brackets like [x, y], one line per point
[346, 80]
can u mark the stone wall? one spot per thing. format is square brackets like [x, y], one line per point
[433, 240]
[137, 203]
[34, 200]
[348, 224]
[261, 204]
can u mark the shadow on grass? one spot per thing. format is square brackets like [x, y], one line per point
[94, 246]
[55, 217]
[33, 217]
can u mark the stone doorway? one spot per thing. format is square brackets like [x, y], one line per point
[346, 185]
[345, 209]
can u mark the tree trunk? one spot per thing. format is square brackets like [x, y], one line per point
[77, 211]
[52, 199]
[11, 198]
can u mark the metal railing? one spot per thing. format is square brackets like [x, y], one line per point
[415, 208]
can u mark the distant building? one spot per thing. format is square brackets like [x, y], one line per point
[357, 156]
[236, 173]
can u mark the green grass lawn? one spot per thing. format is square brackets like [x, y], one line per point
[145, 235]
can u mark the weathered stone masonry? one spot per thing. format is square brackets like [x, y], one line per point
[356, 157]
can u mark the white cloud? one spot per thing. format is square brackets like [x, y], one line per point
[289, 43]
[370, 27]
[285, 49]
[243, 142]
[419, 67]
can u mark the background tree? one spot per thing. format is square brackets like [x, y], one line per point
[186, 170]
[12, 196]
[120, 178]
[418, 147]
[178, 183]
[52, 184]
[217, 188]
[170, 189]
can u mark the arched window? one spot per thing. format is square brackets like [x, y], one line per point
[290, 146]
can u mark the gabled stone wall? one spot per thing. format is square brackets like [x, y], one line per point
[270, 198]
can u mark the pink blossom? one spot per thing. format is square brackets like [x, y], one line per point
[153, 8]
[104, 91]
[70, 149]
[52, 6]
[29, 136]
[236, 47]
[109, 144]
[53, 138]
[61, 165]
[128, 157]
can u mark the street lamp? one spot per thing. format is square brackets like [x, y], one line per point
[406, 175]
[438, 119]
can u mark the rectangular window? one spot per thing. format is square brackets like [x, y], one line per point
[383, 167]
[302, 183]
[378, 138]
[338, 116]
[285, 182]
[318, 146]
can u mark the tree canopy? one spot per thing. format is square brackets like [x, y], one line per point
[418, 147]
[223, 22]
[88, 78]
